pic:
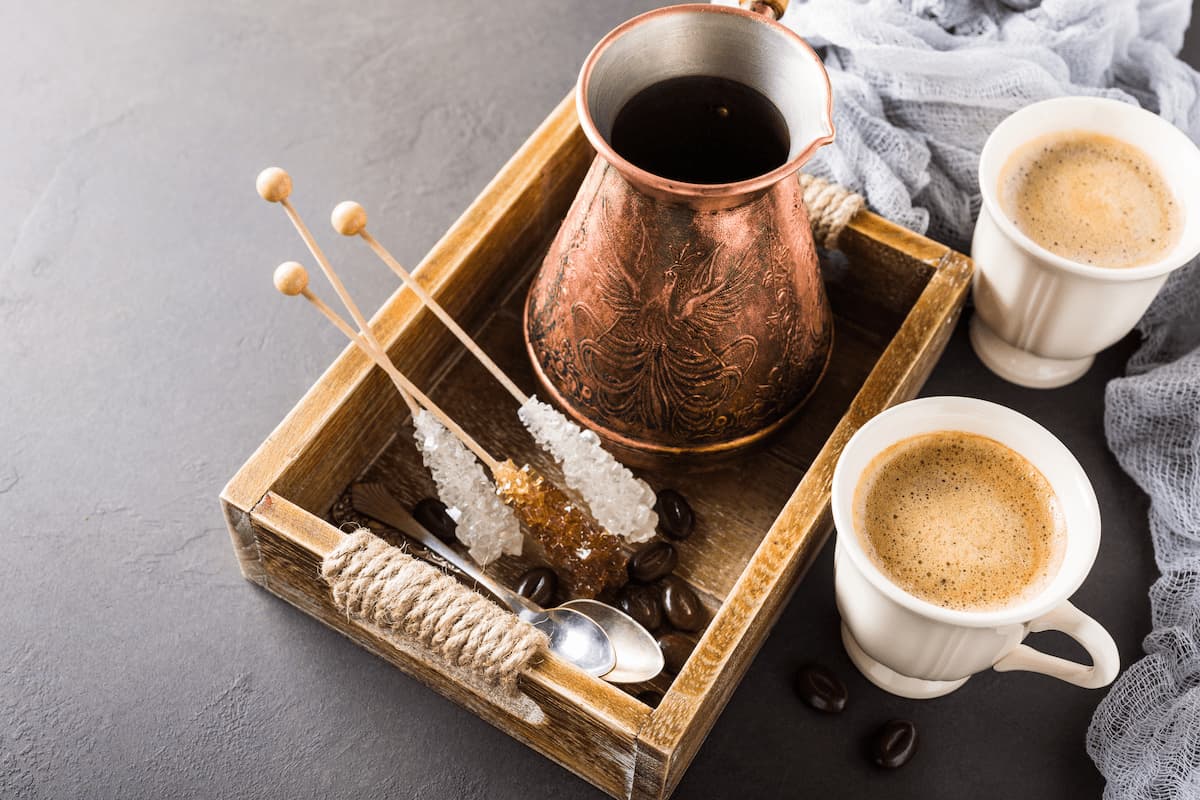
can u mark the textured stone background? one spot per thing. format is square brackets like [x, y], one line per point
[144, 354]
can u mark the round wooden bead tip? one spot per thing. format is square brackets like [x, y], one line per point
[291, 278]
[273, 184]
[348, 218]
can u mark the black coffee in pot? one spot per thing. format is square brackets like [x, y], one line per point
[701, 129]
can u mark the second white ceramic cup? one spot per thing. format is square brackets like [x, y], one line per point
[914, 648]
[1040, 318]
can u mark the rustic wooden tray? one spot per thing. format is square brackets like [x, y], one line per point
[761, 518]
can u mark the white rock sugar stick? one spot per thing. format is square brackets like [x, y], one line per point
[620, 502]
[486, 526]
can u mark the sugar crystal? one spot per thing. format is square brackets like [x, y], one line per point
[619, 501]
[485, 524]
[589, 557]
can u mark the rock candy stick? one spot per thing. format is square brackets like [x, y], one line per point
[486, 526]
[619, 501]
[589, 556]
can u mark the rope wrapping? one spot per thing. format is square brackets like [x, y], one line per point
[830, 208]
[380, 585]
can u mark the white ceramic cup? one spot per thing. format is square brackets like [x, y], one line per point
[1041, 318]
[914, 648]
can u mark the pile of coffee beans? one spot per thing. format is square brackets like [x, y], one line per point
[657, 599]
[891, 746]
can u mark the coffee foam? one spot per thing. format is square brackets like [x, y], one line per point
[960, 520]
[1091, 198]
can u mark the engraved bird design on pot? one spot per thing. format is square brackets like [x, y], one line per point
[657, 363]
[670, 331]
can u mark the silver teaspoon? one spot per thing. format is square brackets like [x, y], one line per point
[574, 637]
[639, 658]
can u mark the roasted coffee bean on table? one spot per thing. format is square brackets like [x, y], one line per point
[675, 517]
[894, 744]
[676, 648]
[641, 603]
[432, 514]
[652, 561]
[681, 605]
[539, 585]
[821, 689]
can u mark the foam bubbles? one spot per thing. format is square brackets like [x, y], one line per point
[1090, 198]
[960, 520]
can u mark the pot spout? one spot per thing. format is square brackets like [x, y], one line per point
[707, 40]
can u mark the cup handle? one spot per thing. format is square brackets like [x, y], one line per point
[1106, 661]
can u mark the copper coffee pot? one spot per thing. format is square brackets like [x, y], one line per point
[680, 320]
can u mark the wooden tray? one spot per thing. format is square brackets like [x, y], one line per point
[761, 518]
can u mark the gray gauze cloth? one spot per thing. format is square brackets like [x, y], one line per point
[918, 85]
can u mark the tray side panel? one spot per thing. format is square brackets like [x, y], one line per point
[679, 724]
[585, 725]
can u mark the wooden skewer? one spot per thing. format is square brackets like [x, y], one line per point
[275, 186]
[291, 279]
[350, 219]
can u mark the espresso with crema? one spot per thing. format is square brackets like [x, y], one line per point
[1091, 198]
[960, 520]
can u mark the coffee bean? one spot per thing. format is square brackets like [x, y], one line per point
[676, 648]
[821, 689]
[652, 561]
[894, 744]
[432, 514]
[539, 585]
[641, 603]
[681, 605]
[675, 517]
[651, 697]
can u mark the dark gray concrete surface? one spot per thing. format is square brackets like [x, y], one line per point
[144, 354]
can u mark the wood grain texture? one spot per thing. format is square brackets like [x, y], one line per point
[895, 297]
[584, 724]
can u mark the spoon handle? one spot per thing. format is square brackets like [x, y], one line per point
[373, 500]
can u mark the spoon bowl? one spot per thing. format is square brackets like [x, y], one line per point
[638, 656]
[578, 639]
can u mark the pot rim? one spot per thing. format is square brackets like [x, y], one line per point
[682, 189]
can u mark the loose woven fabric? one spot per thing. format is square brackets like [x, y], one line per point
[918, 85]
[1145, 736]
[380, 585]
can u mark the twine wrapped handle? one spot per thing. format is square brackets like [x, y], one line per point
[380, 585]
[830, 208]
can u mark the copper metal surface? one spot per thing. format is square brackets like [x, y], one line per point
[680, 320]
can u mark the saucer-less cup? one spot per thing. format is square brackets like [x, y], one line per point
[1041, 318]
[914, 648]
